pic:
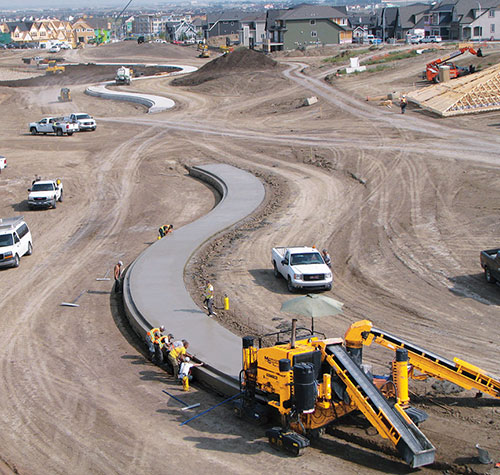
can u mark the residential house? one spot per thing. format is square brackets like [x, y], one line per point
[225, 23]
[307, 25]
[83, 32]
[102, 29]
[469, 21]
[149, 24]
[438, 19]
[20, 31]
[411, 20]
[486, 26]
[253, 32]
[179, 30]
[362, 26]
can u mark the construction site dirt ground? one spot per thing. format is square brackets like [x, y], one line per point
[404, 203]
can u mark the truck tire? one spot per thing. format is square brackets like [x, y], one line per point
[489, 278]
[70, 134]
[276, 271]
[60, 197]
[30, 249]
[16, 261]
[33, 131]
[54, 203]
[59, 132]
[290, 286]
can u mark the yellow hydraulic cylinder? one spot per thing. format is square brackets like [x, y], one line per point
[400, 376]
[226, 302]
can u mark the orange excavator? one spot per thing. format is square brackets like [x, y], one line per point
[432, 68]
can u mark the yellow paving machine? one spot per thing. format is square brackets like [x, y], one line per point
[310, 382]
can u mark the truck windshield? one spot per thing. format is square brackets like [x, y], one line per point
[306, 258]
[42, 187]
[6, 240]
[82, 116]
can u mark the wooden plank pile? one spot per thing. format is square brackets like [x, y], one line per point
[475, 93]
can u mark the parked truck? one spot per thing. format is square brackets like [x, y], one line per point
[53, 125]
[123, 76]
[302, 267]
[45, 194]
[490, 262]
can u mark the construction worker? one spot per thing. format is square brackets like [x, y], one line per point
[326, 258]
[185, 372]
[118, 276]
[166, 344]
[177, 355]
[164, 230]
[151, 336]
[208, 301]
[403, 103]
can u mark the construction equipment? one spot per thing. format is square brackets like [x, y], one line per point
[64, 95]
[123, 75]
[226, 49]
[432, 68]
[311, 382]
[54, 68]
[204, 53]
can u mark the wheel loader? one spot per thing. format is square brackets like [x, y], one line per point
[64, 95]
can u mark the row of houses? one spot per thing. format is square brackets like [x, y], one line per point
[83, 30]
[301, 26]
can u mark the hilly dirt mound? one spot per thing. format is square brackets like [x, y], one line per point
[83, 74]
[241, 60]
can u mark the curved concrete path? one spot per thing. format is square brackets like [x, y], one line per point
[153, 103]
[154, 292]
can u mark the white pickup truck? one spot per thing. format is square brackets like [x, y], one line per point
[45, 194]
[53, 125]
[302, 267]
[3, 163]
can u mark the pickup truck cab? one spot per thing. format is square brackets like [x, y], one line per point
[15, 241]
[53, 125]
[45, 194]
[490, 262]
[84, 121]
[301, 267]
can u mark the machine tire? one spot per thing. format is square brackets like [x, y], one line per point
[290, 286]
[489, 278]
[59, 132]
[60, 197]
[16, 261]
[275, 271]
[33, 131]
[30, 249]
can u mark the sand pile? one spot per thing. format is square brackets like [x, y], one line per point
[240, 60]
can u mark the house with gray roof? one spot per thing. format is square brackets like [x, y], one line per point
[224, 23]
[253, 30]
[473, 20]
[307, 25]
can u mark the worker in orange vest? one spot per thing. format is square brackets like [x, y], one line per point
[151, 336]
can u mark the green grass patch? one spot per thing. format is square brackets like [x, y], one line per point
[378, 68]
[345, 56]
[394, 56]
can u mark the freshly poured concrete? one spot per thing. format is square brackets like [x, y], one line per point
[154, 291]
[153, 103]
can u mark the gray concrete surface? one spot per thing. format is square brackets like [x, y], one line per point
[154, 292]
[152, 102]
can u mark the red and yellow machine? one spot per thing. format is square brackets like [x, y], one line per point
[311, 382]
[432, 68]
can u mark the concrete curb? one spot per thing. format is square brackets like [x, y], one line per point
[153, 103]
[154, 293]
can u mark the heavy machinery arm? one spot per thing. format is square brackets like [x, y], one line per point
[432, 68]
[457, 371]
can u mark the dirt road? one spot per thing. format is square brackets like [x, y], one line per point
[404, 204]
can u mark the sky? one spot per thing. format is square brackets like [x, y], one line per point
[21, 4]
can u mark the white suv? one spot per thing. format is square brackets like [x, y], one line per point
[15, 241]
[85, 121]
